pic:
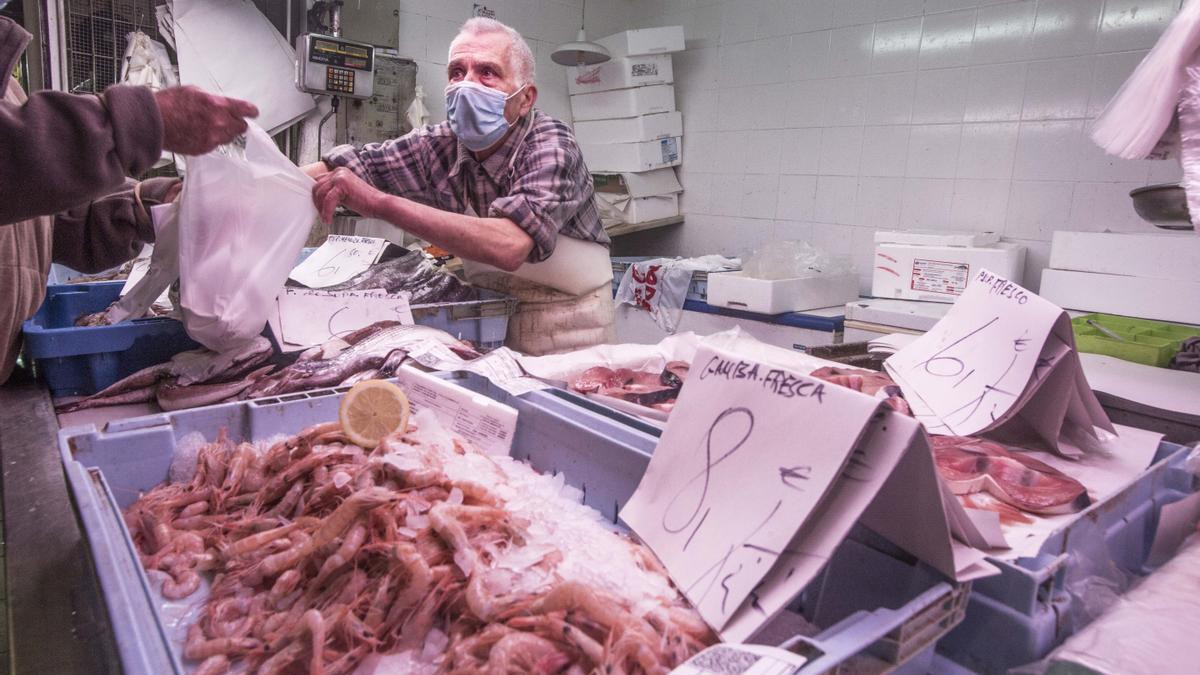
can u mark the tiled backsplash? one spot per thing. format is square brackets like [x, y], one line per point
[828, 119]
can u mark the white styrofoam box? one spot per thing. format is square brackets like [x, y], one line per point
[662, 40]
[777, 296]
[621, 157]
[910, 314]
[621, 73]
[639, 184]
[939, 273]
[1141, 297]
[1157, 255]
[633, 210]
[936, 238]
[603, 105]
[630, 129]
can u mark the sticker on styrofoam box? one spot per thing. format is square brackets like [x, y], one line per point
[939, 273]
[630, 129]
[631, 156]
[603, 105]
[661, 40]
[620, 73]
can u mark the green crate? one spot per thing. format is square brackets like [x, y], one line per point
[1153, 343]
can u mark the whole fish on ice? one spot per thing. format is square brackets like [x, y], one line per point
[189, 379]
[371, 352]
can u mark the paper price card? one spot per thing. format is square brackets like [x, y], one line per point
[308, 317]
[339, 259]
[727, 489]
[971, 368]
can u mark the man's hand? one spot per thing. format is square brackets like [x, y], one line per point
[342, 186]
[195, 122]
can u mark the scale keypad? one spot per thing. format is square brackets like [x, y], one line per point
[339, 79]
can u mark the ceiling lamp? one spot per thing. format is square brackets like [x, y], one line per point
[580, 52]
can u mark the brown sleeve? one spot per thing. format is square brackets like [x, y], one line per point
[62, 150]
[110, 230]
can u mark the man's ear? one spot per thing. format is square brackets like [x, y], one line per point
[530, 95]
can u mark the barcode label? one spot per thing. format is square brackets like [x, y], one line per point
[741, 660]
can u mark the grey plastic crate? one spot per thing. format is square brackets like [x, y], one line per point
[862, 620]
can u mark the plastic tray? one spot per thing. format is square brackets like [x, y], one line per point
[83, 360]
[697, 290]
[1020, 615]
[1152, 343]
[483, 321]
[106, 469]
[78, 360]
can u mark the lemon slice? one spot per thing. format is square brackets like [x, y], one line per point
[371, 410]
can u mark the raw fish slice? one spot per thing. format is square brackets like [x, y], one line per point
[593, 379]
[974, 465]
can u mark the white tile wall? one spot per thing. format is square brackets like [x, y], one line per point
[867, 114]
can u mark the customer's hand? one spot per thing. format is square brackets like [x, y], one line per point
[195, 121]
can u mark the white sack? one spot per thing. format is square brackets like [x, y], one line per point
[244, 216]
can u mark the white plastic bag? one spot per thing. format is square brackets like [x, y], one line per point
[147, 63]
[244, 216]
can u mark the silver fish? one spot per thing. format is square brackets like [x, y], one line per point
[383, 343]
[213, 368]
[410, 272]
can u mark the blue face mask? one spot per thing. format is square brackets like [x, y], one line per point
[476, 113]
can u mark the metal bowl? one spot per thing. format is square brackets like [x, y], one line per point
[1163, 206]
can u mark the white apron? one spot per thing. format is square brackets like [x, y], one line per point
[565, 301]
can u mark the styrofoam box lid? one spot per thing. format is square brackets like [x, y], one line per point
[936, 238]
[639, 41]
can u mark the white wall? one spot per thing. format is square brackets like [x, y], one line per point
[826, 120]
[427, 26]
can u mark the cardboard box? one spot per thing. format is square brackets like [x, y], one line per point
[631, 156]
[662, 40]
[778, 296]
[1141, 297]
[939, 273]
[936, 238]
[630, 129]
[604, 105]
[615, 208]
[1156, 255]
[621, 73]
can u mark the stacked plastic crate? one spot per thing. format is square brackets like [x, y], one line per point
[627, 125]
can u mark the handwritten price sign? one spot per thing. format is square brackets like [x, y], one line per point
[729, 487]
[338, 259]
[971, 369]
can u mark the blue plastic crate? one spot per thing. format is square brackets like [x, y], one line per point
[1020, 615]
[483, 321]
[892, 623]
[83, 360]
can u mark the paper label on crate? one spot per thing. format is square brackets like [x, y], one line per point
[138, 270]
[339, 259]
[670, 150]
[742, 660]
[729, 487]
[644, 69]
[938, 276]
[487, 424]
[499, 366]
[310, 317]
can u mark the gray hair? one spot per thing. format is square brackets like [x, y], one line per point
[520, 56]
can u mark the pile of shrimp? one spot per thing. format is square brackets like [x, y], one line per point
[323, 555]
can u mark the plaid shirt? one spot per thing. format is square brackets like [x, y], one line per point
[548, 192]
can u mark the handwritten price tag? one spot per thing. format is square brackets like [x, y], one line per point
[729, 487]
[338, 259]
[1002, 359]
[309, 317]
